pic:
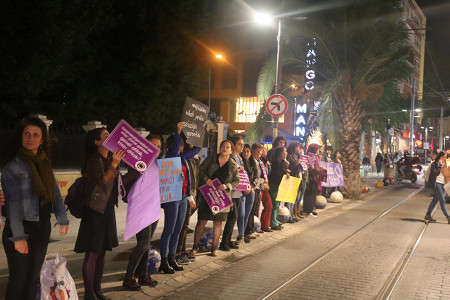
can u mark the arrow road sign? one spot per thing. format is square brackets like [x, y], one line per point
[276, 105]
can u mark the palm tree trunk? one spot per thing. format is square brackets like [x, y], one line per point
[350, 111]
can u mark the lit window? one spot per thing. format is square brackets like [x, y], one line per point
[247, 109]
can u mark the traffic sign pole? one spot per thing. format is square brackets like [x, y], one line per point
[276, 106]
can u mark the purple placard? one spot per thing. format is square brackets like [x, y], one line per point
[139, 152]
[263, 169]
[313, 159]
[217, 200]
[335, 174]
[244, 182]
[304, 161]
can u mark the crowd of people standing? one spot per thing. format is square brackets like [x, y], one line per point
[32, 194]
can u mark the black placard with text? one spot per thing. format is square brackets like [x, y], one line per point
[195, 117]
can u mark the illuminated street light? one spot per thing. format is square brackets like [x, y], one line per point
[405, 110]
[262, 19]
[218, 56]
[418, 110]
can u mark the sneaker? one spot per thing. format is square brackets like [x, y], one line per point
[253, 236]
[239, 239]
[131, 285]
[188, 256]
[430, 219]
[224, 247]
[181, 260]
[147, 280]
[246, 239]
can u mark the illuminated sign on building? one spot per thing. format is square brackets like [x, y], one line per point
[310, 62]
[301, 116]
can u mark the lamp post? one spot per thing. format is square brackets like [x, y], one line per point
[218, 56]
[264, 19]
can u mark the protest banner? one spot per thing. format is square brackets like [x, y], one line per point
[139, 152]
[170, 179]
[194, 118]
[217, 200]
[304, 161]
[313, 159]
[335, 174]
[244, 182]
[144, 206]
[288, 189]
[263, 168]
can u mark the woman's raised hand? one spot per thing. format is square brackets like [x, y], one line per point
[117, 157]
[179, 127]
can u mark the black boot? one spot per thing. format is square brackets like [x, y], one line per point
[173, 263]
[100, 295]
[90, 295]
[164, 267]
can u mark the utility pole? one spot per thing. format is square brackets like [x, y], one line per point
[411, 127]
[441, 129]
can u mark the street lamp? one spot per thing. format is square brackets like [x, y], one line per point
[219, 57]
[265, 19]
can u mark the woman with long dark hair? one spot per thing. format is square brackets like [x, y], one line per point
[97, 232]
[295, 150]
[278, 170]
[248, 197]
[31, 195]
[224, 169]
[441, 179]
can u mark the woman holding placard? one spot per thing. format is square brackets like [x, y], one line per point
[97, 232]
[313, 185]
[175, 211]
[227, 244]
[248, 198]
[279, 169]
[224, 169]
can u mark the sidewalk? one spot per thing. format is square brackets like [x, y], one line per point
[117, 260]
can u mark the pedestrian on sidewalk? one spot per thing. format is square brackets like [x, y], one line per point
[313, 186]
[279, 169]
[441, 179]
[175, 211]
[220, 167]
[227, 244]
[366, 165]
[97, 232]
[248, 197]
[379, 162]
[138, 262]
[31, 194]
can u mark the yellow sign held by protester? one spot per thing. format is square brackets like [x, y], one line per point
[288, 189]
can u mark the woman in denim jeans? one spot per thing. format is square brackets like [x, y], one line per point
[31, 195]
[438, 191]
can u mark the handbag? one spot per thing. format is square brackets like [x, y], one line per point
[56, 281]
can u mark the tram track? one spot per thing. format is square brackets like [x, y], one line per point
[395, 276]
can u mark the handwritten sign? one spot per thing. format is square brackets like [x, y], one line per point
[170, 179]
[139, 152]
[217, 200]
[244, 182]
[304, 161]
[288, 189]
[335, 174]
[313, 159]
[195, 116]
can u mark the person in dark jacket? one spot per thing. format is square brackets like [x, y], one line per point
[97, 232]
[279, 141]
[435, 169]
[175, 211]
[279, 169]
[313, 186]
[379, 162]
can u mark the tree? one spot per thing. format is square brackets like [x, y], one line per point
[361, 47]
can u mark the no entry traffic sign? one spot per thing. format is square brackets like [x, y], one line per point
[276, 105]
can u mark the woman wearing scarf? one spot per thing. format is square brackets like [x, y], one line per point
[31, 195]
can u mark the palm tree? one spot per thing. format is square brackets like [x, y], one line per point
[361, 47]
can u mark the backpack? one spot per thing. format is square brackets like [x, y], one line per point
[75, 196]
